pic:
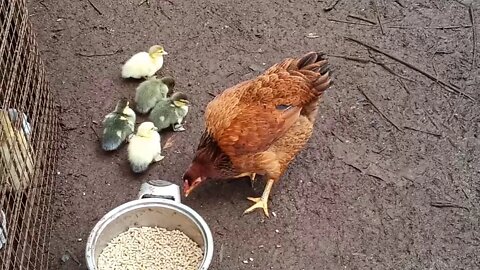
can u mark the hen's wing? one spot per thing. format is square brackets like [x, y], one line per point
[250, 116]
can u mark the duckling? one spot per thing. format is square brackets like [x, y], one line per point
[151, 91]
[143, 64]
[118, 125]
[170, 112]
[144, 147]
[15, 116]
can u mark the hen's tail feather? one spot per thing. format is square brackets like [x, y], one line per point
[311, 61]
[316, 68]
[308, 59]
[325, 69]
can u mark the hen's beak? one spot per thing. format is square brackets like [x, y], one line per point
[187, 188]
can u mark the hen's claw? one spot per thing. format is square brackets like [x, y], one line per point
[259, 203]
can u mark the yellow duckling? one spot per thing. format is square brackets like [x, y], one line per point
[144, 147]
[143, 64]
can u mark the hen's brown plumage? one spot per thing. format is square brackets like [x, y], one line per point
[259, 126]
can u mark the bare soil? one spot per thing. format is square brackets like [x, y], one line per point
[390, 178]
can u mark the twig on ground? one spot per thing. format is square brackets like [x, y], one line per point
[95, 132]
[387, 68]
[378, 110]
[403, 85]
[361, 18]
[143, 2]
[351, 58]
[423, 131]
[211, 94]
[448, 27]
[375, 4]
[347, 22]
[164, 14]
[44, 5]
[441, 204]
[74, 258]
[332, 6]
[69, 128]
[431, 120]
[461, 3]
[366, 61]
[474, 36]
[411, 66]
[353, 166]
[95, 7]
[399, 3]
[338, 137]
[391, 71]
[365, 172]
[98, 54]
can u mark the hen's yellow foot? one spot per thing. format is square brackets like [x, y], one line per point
[259, 203]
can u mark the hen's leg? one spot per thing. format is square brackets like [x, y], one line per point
[261, 202]
[251, 175]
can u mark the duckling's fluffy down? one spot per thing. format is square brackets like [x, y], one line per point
[141, 65]
[142, 151]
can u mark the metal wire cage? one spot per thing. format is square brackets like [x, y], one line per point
[28, 144]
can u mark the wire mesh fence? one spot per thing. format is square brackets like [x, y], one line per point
[28, 144]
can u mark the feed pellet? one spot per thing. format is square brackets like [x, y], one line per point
[151, 248]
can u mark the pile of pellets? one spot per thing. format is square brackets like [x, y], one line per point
[150, 248]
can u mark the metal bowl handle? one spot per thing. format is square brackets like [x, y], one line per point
[160, 189]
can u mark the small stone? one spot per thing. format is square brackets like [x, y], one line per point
[251, 259]
[278, 246]
[79, 239]
[65, 258]
[245, 261]
[257, 68]
[274, 214]
[277, 231]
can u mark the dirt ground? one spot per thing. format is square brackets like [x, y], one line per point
[390, 178]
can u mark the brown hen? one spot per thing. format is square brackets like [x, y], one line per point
[260, 125]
